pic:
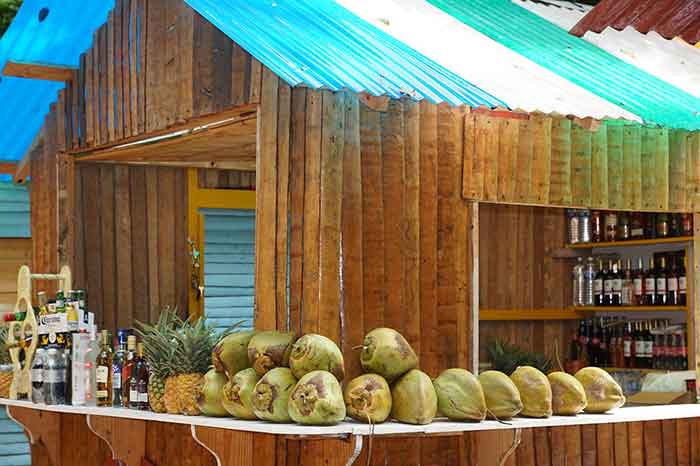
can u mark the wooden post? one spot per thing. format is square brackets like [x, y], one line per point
[694, 315]
[125, 437]
[474, 314]
[42, 427]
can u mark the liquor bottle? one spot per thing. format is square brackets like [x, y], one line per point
[628, 346]
[672, 294]
[649, 345]
[662, 225]
[594, 345]
[138, 382]
[583, 340]
[616, 298]
[610, 226]
[683, 352]
[103, 373]
[686, 225]
[663, 351]
[128, 368]
[578, 282]
[117, 368]
[674, 224]
[623, 227]
[650, 226]
[682, 299]
[627, 298]
[608, 278]
[636, 226]
[638, 284]
[604, 352]
[639, 346]
[38, 376]
[650, 285]
[574, 347]
[596, 226]
[598, 294]
[661, 296]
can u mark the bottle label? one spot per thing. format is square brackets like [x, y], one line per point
[672, 284]
[608, 286]
[638, 288]
[627, 348]
[102, 374]
[595, 341]
[52, 376]
[133, 396]
[681, 284]
[37, 375]
[639, 348]
[597, 286]
[648, 348]
[101, 394]
[117, 380]
[660, 285]
[649, 285]
[617, 285]
[637, 232]
[143, 397]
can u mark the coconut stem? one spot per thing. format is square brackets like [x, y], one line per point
[496, 418]
[371, 436]
[517, 438]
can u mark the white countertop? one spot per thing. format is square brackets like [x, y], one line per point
[440, 426]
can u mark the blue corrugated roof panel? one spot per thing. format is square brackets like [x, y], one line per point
[59, 39]
[320, 44]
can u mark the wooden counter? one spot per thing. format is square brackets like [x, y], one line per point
[132, 436]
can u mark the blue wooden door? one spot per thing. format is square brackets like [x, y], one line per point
[14, 445]
[229, 266]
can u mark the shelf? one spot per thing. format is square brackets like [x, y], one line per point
[643, 371]
[632, 242]
[439, 427]
[530, 314]
[629, 308]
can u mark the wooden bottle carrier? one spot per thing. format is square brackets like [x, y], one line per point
[18, 332]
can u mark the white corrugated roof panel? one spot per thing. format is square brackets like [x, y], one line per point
[493, 67]
[563, 14]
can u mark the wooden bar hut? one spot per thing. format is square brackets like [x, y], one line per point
[411, 199]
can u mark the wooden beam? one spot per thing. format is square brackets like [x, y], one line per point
[38, 71]
[8, 168]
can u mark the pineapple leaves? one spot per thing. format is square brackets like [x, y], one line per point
[506, 357]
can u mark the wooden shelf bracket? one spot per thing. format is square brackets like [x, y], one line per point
[126, 438]
[42, 427]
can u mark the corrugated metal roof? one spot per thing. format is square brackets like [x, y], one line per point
[669, 18]
[518, 81]
[578, 61]
[674, 61]
[319, 44]
[65, 32]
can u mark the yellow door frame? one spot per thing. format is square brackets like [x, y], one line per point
[206, 198]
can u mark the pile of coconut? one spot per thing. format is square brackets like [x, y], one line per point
[272, 376]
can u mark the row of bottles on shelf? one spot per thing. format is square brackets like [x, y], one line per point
[620, 343]
[92, 374]
[603, 281]
[586, 226]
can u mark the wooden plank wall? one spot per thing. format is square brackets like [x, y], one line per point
[378, 232]
[552, 160]
[144, 73]
[523, 275]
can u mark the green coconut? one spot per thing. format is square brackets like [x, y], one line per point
[271, 395]
[387, 353]
[460, 397]
[230, 354]
[368, 398]
[502, 396]
[535, 391]
[317, 400]
[568, 395]
[414, 400]
[210, 398]
[314, 352]
[602, 391]
[237, 395]
[270, 349]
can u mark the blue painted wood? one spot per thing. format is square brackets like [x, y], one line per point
[229, 266]
[14, 445]
[14, 211]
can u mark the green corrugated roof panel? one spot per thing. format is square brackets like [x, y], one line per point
[586, 65]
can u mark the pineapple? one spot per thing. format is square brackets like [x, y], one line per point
[158, 341]
[193, 346]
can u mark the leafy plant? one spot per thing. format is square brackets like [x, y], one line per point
[8, 10]
[506, 357]
[4, 353]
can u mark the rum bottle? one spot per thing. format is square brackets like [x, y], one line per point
[127, 369]
[103, 373]
[661, 282]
